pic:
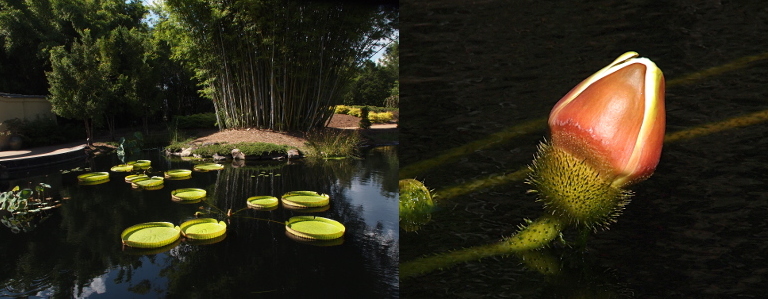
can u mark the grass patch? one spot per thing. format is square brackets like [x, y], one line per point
[248, 148]
[177, 146]
[332, 143]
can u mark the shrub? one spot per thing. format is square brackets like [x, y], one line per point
[365, 122]
[248, 148]
[200, 120]
[341, 109]
[380, 118]
[354, 112]
[42, 131]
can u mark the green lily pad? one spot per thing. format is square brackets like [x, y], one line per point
[315, 228]
[305, 199]
[203, 228]
[92, 177]
[153, 183]
[150, 234]
[262, 202]
[131, 178]
[178, 173]
[208, 167]
[140, 164]
[122, 168]
[187, 194]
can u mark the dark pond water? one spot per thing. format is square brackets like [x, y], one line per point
[76, 250]
[695, 229]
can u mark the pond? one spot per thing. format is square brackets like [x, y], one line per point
[479, 81]
[75, 251]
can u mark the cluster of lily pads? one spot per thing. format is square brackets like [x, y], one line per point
[153, 235]
[159, 234]
[306, 201]
[303, 228]
[140, 180]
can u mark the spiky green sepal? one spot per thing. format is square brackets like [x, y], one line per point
[536, 234]
[574, 191]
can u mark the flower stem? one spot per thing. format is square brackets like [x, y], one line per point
[536, 235]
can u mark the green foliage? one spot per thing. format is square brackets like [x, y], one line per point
[332, 143]
[376, 114]
[381, 117]
[247, 148]
[200, 120]
[365, 122]
[371, 86]
[276, 65]
[18, 201]
[42, 131]
[341, 109]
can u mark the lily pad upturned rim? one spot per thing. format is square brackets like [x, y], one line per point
[262, 201]
[149, 182]
[203, 228]
[150, 234]
[208, 167]
[308, 193]
[130, 178]
[93, 177]
[122, 168]
[309, 201]
[178, 173]
[185, 194]
[315, 227]
[140, 163]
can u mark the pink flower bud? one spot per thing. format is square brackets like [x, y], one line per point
[614, 120]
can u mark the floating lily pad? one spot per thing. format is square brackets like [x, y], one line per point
[203, 228]
[178, 173]
[131, 178]
[122, 168]
[153, 183]
[315, 228]
[140, 164]
[92, 177]
[186, 194]
[150, 234]
[262, 202]
[321, 243]
[309, 193]
[208, 167]
[305, 199]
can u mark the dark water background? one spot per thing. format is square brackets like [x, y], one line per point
[76, 250]
[696, 229]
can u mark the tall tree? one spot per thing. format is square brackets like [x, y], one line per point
[276, 64]
[371, 86]
[77, 81]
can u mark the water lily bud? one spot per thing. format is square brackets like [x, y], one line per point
[614, 119]
[607, 133]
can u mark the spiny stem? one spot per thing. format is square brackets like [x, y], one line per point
[536, 235]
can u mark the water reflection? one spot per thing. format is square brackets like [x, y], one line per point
[76, 252]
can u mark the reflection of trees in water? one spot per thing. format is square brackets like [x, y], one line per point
[81, 242]
[257, 257]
